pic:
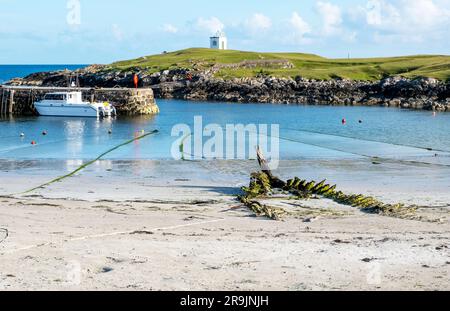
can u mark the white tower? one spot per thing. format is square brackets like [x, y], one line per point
[219, 41]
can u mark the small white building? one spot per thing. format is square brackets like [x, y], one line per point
[219, 41]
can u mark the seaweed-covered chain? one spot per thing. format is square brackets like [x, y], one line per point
[260, 187]
[367, 203]
[263, 185]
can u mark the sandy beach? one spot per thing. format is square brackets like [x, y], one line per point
[238, 146]
[167, 225]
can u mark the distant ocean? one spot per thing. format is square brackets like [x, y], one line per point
[8, 72]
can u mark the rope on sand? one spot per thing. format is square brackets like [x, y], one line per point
[90, 162]
[369, 140]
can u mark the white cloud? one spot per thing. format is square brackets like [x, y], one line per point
[373, 13]
[408, 20]
[211, 25]
[170, 28]
[300, 28]
[425, 12]
[404, 14]
[332, 17]
[380, 13]
[258, 22]
[117, 32]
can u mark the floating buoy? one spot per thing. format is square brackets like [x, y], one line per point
[22, 134]
[33, 143]
[44, 133]
[344, 121]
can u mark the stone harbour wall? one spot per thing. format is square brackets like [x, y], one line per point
[126, 101]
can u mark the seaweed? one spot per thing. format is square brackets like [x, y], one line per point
[261, 187]
[263, 184]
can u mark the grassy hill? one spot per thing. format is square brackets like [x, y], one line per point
[305, 65]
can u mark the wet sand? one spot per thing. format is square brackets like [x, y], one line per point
[166, 225]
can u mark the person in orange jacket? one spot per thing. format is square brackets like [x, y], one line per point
[136, 81]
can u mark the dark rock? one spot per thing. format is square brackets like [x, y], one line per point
[106, 269]
[367, 260]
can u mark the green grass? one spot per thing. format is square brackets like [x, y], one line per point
[305, 65]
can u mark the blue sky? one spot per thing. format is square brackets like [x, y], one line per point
[102, 31]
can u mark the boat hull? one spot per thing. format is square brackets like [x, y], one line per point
[70, 110]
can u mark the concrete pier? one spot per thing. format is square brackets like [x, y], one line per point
[19, 100]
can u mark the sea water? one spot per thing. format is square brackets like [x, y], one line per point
[8, 72]
[306, 132]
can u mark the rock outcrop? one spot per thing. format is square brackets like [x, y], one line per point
[422, 93]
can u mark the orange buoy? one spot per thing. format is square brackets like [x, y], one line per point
[33, 143]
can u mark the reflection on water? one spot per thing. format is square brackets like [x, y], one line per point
[306, 132]
[6, 118]
[104, 165]
[75, 135]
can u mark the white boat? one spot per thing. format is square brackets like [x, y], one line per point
[70, 104]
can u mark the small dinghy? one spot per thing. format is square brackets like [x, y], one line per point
[71, 104]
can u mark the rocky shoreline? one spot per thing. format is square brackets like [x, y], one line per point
[422, 93]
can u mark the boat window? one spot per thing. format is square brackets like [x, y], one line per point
[55, 97]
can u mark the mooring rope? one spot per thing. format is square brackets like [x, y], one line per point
[88, 163]
[369, 140]
[5, 151]
[184, 153]
[323, 147]
[111, 234]
[362, 154]
[27, 146]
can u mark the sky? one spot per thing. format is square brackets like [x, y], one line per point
[103, 31]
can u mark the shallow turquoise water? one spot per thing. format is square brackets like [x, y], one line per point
[306, 132]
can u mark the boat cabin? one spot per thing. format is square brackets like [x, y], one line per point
[68, 97]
